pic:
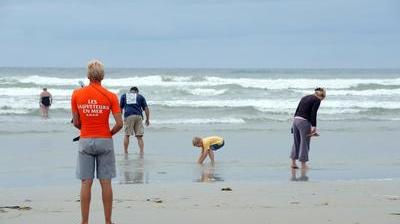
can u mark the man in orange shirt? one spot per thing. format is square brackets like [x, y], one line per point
[91, 107]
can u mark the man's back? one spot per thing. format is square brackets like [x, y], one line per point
[94, 103]
[133, 104]
[45, 93]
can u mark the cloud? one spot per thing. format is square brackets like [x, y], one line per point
[224, 32]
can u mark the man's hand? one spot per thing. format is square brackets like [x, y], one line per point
[147, 122]
[118, 123]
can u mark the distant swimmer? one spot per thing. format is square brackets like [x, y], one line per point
[45, 102]
[305, 126]
[133, 104]
[208, 145]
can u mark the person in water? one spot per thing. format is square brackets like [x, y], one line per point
[305, 126]
[45, 102]
[208, 145]
[133, 104]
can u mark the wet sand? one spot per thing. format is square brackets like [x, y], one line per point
[250, 156]
[301, 202]
[354, 178]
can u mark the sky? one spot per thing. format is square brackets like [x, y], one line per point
[201, 33]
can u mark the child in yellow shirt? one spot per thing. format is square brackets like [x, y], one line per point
[208, 146]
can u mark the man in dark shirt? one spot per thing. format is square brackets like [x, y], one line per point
[305, 126]
[133, 104]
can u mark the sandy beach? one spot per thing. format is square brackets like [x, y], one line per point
[343, 185]
[353, 202]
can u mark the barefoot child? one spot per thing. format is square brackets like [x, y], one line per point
[208, 146]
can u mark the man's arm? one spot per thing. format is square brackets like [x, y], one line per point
[122, 101]
[118, 123]
[76, 120]
[147, 112]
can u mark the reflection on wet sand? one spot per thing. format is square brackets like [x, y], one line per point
[132, 170]
[208, 174]
[303, 174]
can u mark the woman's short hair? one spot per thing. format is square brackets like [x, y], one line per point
[321, 92]
[95, 70]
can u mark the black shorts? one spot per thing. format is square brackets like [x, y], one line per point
[216, 146]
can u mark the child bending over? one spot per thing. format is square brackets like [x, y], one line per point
[208, 146]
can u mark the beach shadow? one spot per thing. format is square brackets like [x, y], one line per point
[299, 174]
[208, 174]
[133, 170]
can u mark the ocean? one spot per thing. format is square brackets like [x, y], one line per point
[360, 102]
[240, 98]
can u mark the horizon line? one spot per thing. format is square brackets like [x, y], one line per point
[207, 68]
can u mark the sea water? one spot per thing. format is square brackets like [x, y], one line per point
[255, 103]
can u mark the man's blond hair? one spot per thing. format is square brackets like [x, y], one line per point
[95, 70]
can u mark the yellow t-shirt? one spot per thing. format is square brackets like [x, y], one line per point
[212, 140]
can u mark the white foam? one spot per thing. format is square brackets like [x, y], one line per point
[206, 92]
[47, 81]
[300, 83]
[200, 121]
[278, 104]
[366, 104]
[373, 92]
[18, 91]
[34, 92]
[182, 81]
[271, 105]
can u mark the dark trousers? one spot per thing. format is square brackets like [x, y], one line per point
[301, 143]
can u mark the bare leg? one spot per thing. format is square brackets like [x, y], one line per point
[211, 155]
[294, 175]
[294, 165]
[304, 165]
[86, 189]
[126, 143]
[46, 112]
[42, 108]
[140, 144]
[107, 195]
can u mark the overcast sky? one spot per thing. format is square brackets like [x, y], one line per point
[201, 33]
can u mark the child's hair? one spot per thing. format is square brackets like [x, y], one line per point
[196, 140]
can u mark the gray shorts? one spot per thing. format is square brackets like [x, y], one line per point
[96, 153]
[134, 124]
